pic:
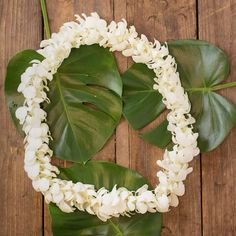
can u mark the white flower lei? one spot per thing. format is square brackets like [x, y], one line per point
[69, 196]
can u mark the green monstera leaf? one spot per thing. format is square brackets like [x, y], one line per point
[15, 68]
[202, 67]
[85, 96]
[142, 104]
[103, 174]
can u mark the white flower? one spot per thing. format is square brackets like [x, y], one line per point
[29, 92]
[163, 203]
[141, 207]
[41, 185]
[119, 37]
[57, 198]
[65, 207]
[112, 204]
[93, 29]
[30, 156]
[33, 170]
[48, 197]
[37, 132]
[131, 203]
[173, 199]
[120, 201]
[34, 143]
[142, 51]
[179, 189]
[21, 114]
[143, 189]
[162, 178]
[38, 113]
[146, 201]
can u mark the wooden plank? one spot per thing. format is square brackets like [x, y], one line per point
[21, 206]
[63, 12]
[218, 167]
[122, 131]
[129, 147]
[66, 10]
[162, 20]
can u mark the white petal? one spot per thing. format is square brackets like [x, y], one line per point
[21, 87]
[29, 92]
[65, 207]
[48, 197]
[30, 156]
[55, 188]
[163, 203]
[33, 171]
[141, 207]
[42, 184]
[142, 189]
[35, 132]
[58, 197]
[34, 143]
[131, 206]
[174, 201]
[180, 189]
[21, 113]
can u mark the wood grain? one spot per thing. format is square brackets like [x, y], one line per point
[166, 20]
[63, 12]
[21, 206]
[66, 11]
[122, 131]
[218, 167]
[208, 207]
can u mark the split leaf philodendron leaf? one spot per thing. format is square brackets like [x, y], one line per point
[159, 135]
[85, 96]
[17, 66]
[103, 174]
[142, 103]
[202, 67]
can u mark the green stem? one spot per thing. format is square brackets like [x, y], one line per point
[200, 89]
[215, 88]
[45, 19]
[225, 85]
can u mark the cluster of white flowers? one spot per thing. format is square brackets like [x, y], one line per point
[120, 201]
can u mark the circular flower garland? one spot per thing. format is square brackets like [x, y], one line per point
[69, 196]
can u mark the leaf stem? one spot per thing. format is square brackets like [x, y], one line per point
[209, 89]
[45, 19]
[200, 89]
[225, 85]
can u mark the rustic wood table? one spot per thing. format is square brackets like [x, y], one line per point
[209, 205]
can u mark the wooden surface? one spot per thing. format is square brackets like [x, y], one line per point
[209, 206]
